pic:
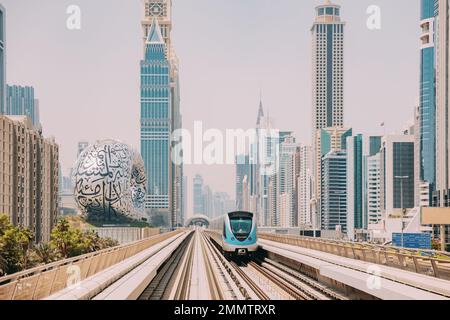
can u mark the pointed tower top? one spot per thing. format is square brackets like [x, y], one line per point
[154, 35]
[260, 111]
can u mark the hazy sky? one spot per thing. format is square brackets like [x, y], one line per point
[87, 81]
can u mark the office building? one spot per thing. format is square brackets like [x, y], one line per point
[397, 174]
[243, 173]
[198, 195]
[327, 140]
[29, 176]
[20, 101]
[334, 193]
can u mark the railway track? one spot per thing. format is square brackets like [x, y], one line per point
[159, 288]
[310, 286]
[292, 283]
[200, 258]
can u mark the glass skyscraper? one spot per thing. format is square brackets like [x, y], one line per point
[242, 174]
[20, 101]
[355, 167]
[427, 107]
[161, 11]
[156, 119]
[397, 173]
[334, 195]
[362, 183]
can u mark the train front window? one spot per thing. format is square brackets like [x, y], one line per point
[241, 225]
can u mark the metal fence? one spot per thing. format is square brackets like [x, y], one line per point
[428, 262]
[43, 281]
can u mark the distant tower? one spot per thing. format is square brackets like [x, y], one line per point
[198, 195]
[82, 145]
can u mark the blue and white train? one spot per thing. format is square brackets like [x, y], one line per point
[236, 233]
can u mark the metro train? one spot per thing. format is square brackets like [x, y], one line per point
[236, 233]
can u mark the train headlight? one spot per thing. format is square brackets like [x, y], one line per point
[250, 238]
[233, 239]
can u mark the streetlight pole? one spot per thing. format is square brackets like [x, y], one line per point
[401, 202]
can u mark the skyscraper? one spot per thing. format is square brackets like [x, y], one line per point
[222, 204]
[355, 191]
[20, 101]
[442, 107]
[327, 140]
[161, 12]
[328, 68]
[288, 173]
[208, 201]
[397, 174]
[427, 105]
[373, 195]
[242, 176]
[363, 185]
[29, 178]
[334, 195]
[264, 155]
[156, 123]
[82, 145]
[327, 85]
[2, 60]
[198, 195]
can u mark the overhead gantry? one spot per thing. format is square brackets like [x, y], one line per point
[198, 220]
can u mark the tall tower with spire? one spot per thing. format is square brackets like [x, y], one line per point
[162, 11]
[156, 124]
[159, 12]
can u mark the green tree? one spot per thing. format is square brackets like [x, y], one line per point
[70, 242]
[4, 224]
[17, 252]
[15, 243]
[67, 241]
[44, 253]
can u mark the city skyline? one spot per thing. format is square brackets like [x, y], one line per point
[198, 104]
[224, 150]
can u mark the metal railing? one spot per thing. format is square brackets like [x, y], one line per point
[427, 262]
[43, 281]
